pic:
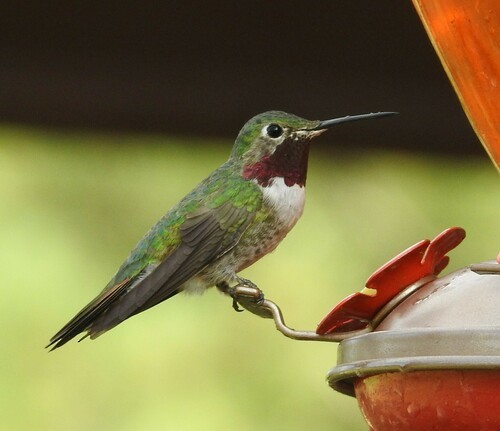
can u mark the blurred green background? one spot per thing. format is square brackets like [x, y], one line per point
[74, 204]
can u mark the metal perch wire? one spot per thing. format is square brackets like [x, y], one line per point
[268, 309]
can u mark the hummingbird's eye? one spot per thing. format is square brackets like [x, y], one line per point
[274, 131]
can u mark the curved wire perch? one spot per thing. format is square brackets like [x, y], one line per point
[306, 335]
[244, 293]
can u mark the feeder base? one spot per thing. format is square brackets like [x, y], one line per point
[460, 400]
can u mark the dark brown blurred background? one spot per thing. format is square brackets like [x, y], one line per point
[203, 68]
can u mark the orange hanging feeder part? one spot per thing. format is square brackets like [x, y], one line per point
[466, 37]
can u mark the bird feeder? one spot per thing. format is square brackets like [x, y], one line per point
[418, 352]
[432, 359]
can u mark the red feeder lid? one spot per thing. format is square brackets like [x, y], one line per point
[419, 263]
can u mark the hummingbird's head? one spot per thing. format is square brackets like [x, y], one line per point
[276, 145]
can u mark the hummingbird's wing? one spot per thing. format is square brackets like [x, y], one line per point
[206, 235]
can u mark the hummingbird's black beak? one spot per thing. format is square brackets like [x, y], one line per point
[329, 123]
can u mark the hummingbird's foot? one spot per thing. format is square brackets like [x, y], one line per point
[246, 294]
[250, 297]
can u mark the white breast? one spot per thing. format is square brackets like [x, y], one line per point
[288, 202]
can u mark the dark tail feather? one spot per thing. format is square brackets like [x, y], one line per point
[84, 319]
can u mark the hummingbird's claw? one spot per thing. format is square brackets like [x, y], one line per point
[236, 306]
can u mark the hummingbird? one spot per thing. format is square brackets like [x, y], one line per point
[235, 216]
